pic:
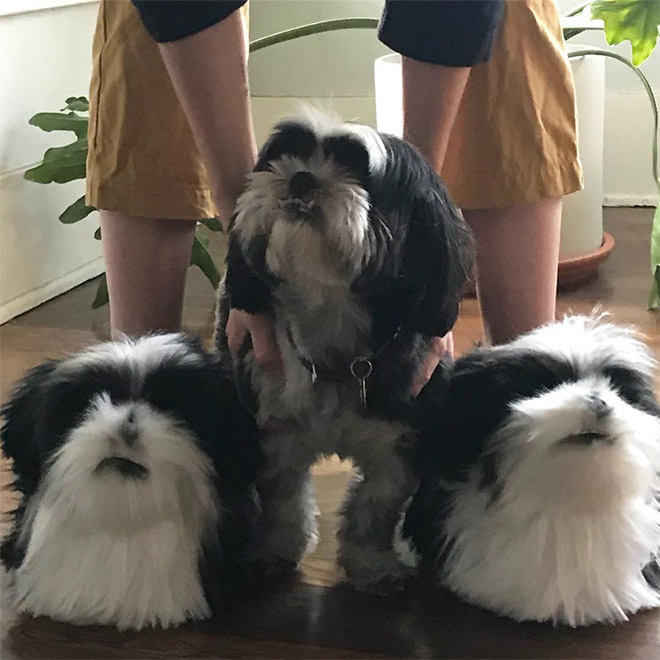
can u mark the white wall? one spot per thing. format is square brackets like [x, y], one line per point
[628, 123]
[335, 65]
[46, 57]
[339, 66]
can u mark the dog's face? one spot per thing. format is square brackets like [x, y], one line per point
[127, 465]
[134, 463]
[121, 436]
[568, 418]
[580, 447]
[308, 203]
[338, 205]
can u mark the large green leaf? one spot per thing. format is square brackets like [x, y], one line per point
[60, 170]
[76, 212]
[57, 121]
[204, 240]
[654, 296]
[213, 224]
[79, 103]
[633, 20]
[55, 153]
[201, 258]
[654, 301]
[102, 296]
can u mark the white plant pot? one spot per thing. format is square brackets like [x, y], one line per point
[582, 218]
[389, 94]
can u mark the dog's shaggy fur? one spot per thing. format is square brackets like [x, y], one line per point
[349, 240]
[540, 499]
[136, 468]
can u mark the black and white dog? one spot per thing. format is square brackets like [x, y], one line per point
[350, 241]
[135, 466]
[541, 497]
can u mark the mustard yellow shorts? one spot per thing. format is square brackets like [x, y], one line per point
[514, 139]
[142, 158]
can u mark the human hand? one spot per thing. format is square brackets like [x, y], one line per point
[240, 324]
[440, 346]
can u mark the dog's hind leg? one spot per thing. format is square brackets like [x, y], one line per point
[371, 512]
[288, 526]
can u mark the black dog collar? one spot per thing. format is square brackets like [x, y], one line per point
[358, 368]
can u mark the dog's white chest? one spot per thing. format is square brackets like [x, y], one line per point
[149, 577]
[584, 568]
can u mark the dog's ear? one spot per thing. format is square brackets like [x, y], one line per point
[651, 573]
[243, 288]
[472, 403]
[481, 387]
[22, 415]
[205, 398]
[438, 257]
[269, 151]
[634, 386]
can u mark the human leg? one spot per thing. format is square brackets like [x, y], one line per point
[511, 156]
[517, 259]
[431, 97]
[145, 173]
[146, 261]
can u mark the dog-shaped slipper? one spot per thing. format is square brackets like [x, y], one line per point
[541, 494]
[135, 467]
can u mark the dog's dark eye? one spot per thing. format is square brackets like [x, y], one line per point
[632, 387]
[348, 152]
[289, 139]
[70, 396]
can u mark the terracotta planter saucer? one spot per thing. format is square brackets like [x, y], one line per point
[576, 271]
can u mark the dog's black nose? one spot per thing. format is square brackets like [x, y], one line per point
[598, 406]
[302, 183]
[129, 430]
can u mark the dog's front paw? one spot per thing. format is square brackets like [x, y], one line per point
[273, 568]
[375, 571]
[279, 557]
[394, 583]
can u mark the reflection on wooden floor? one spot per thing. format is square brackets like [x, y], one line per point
[316, 616]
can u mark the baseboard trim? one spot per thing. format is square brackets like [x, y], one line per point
[630, 200]
[56, 287]
[266, 110]
[13, 7]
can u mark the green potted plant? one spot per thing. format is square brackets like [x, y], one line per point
[67, 163]
[637, 21]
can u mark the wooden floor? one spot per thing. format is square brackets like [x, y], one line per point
[317, 616]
